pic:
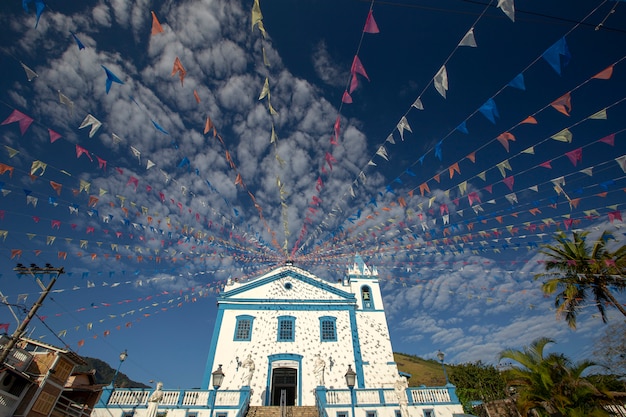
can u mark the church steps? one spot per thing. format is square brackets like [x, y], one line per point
[291, 411]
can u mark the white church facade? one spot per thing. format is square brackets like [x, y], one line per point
[288, 338]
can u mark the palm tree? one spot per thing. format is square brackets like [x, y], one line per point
[551, 385]
[580, 270]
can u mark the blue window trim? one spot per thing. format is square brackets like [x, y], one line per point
[286, 319]
[368, 304]
[240, 320]
[328, 319]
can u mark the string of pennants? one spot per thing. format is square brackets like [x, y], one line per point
[554, 56]
[563, 105]
[507, 6]
[144, 221]
[94, 125]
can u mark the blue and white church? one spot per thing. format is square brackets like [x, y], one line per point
[288, 340]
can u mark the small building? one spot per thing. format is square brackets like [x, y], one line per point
[288, 339]
[37, 380]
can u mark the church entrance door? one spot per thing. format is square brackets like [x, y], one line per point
[284, 379]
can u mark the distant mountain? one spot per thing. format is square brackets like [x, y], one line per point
[104, 374]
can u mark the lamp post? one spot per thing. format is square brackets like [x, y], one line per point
[350, 382]
[441, 356]
[217, 377]
[123, 357]
[33, 270]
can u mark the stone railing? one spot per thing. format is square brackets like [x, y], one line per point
[133, 398]
[381, 396]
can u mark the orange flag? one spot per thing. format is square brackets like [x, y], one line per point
[156, 26]
[197, 97]
[604, 74]
[56, 187]
[178, 68]
[529, 120]
[208, 125]
[504, 139]
[563, 104]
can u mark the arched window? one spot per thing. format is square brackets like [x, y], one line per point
[366, 298]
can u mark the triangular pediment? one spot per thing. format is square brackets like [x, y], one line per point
[287, 284]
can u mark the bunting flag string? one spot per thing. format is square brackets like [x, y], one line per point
[357, 68]
[440, 80]
[257, 21]
[102, 163]
[552, 204]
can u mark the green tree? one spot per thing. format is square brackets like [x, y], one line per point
[477, 382]
[579, 271]
[552, 385]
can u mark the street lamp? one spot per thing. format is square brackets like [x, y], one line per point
[123, 357]
[350, 382]
[441, 356]
[217, 377]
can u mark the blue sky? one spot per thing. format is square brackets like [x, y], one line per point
[449, 202]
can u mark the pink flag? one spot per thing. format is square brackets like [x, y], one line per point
[23, 120]
[509, 182]
[53, 135]
[80, 151]
[473, 196]
[346, 98]
[337, 127]
[330, 159]
[575, 156]
[546, 165]
[609, 140]
[615, 215]
[133, 180]
[357, 68]
[354, 83]
[102, 163]
[370, 24]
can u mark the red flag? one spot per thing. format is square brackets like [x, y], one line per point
[5, 327]
[346, 98]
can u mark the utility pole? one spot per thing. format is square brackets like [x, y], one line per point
[33, 270]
